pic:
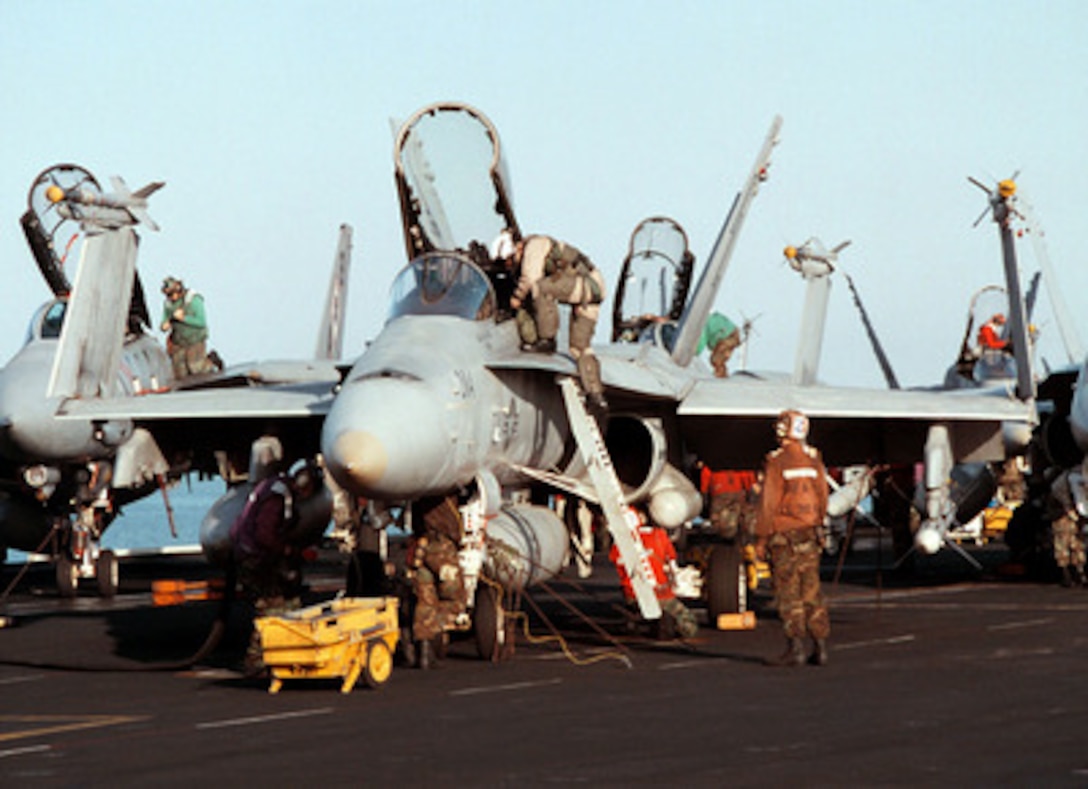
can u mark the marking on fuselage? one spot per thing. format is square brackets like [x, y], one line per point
[222, 724]
[505, 424]
[504, 688]
[44, 725]
[464, 388]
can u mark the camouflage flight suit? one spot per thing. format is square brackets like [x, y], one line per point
[557, 273]
[441, 599]
[732, 502]
[792, 510]
[1065, 530]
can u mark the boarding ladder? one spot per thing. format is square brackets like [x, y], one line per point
[620, 521]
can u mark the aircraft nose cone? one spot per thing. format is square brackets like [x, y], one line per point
[361, 457]
[388, 439]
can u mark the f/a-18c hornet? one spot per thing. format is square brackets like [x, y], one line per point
[63, 481]
[444, 403]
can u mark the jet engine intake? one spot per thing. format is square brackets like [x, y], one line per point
[638, 448]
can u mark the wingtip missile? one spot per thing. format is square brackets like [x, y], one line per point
[812, 257]
[106, 210]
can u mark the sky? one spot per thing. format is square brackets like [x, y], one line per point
[270, 124]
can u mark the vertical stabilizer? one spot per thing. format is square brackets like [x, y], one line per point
[330, 336]
[810, 343]
[702, 301]
[1001, 209]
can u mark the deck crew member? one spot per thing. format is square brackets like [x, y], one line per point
[722, 337]
[184, 318]
[793, 508]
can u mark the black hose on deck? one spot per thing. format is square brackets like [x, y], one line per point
[219, 626]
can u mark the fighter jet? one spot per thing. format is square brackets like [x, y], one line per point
[62, 482]
[444, 403]
[951, 493]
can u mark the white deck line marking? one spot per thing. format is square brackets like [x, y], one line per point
[264, 718]
[23, 751]
[876, 642]
[502, 688]
[24, 678]
[1024, 623]
[681, 664]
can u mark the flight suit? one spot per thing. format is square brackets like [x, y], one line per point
[269, 568]
[662, 554]
[722, 336]
[732, 508]
[1065, 529]
[438, 584]
[186, 343]
[555, 273]
[792, 510]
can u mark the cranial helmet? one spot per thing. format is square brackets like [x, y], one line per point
[791, 425]
[170, 283]
[307, 476]
[998, 318]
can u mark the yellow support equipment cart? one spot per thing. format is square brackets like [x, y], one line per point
[348, 637]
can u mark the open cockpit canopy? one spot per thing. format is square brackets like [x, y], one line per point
[654, 280]
[452, 182]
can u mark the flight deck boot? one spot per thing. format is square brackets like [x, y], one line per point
[425, 658]
[589, 374]
[819, 652]
[793, 656]
[1067, 577]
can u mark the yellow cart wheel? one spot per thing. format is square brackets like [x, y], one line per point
[379, 664]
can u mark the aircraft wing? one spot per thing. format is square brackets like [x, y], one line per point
[728, 422]
[269, 372]
[201, 428]
[249, 402]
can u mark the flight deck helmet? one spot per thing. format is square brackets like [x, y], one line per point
[791, 425]
[172, 285]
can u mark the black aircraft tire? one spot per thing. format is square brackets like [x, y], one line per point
[726, 582]
[108, 573]
[67, 577]
[489, 623]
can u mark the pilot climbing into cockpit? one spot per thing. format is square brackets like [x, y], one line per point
[551, 273]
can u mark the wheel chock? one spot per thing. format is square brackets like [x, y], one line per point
[746, 620]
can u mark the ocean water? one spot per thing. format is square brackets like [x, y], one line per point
[143, 526]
